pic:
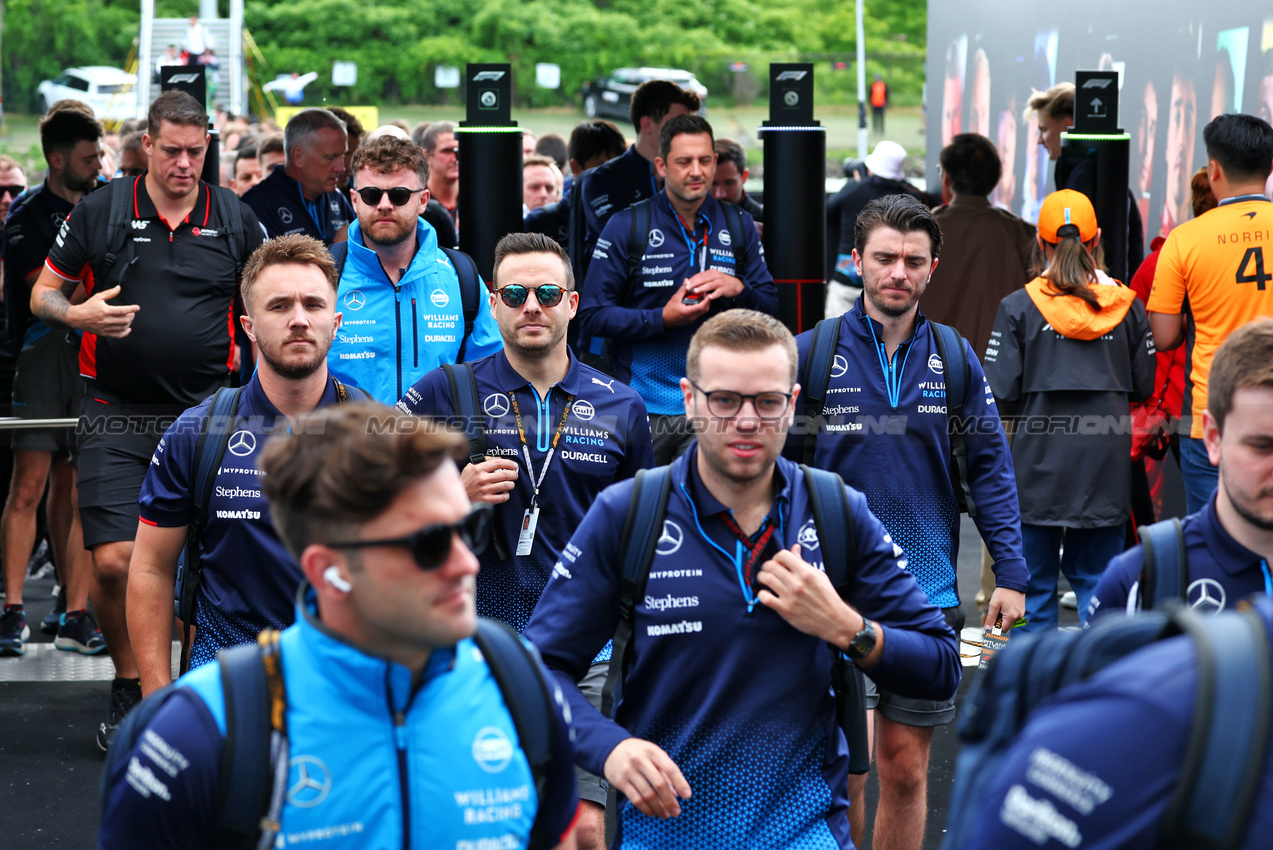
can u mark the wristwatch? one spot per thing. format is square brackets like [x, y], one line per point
[863, 643]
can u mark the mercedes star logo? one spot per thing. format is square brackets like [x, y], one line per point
[839, 366]
[671, 538]
[242, 443]
[496, 405]
[656, 238]
[354, 299]
[309, 782]
[1206, 595]
[285, 215]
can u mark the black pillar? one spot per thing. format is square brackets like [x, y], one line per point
[490, 203]
[795, 196]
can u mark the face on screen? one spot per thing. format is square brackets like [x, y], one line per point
[1182, 125]
[1146, 131]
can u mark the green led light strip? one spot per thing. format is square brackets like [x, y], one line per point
[488, 130]
[1097, 137]
[792, 129]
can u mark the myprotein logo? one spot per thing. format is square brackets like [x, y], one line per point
[492, 750]
[667, 603]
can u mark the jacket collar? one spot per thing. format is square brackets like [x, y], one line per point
[367, 261]
[508, 379]
[685, 472]
[862, 324]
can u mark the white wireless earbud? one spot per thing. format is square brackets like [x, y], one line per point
[332, 576]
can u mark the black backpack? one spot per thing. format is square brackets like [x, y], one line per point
[834, 522]
[1226, 752]
[254, 761]
[470, 278]
[815, 378]
[468, 410]
[1164, 572]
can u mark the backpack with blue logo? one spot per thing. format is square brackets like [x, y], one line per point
[815, 378]
[1225, 755]
[254, 753]
[834, 522]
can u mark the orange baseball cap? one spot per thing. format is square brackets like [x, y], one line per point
[1067, 213]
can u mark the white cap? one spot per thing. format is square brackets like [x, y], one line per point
[886, 160]
[388, 130]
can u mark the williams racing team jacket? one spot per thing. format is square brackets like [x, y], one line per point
[737, 697]
[648, 356]
[377, 760]
[897, 451]
[391, 335]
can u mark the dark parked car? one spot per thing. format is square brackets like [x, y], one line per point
[611, 96]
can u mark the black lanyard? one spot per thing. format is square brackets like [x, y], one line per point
[552, 449]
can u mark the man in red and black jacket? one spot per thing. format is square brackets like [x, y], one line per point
[153, 289]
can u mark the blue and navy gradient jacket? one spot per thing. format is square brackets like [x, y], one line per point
[899, 457]
[648, 356]
[376, 760]
[737, 697]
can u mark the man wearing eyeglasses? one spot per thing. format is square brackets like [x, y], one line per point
[724, 733]
[302, 196]
[248, 580]
[884, 427]
[399, 291]
[398, 731]
[559, 432]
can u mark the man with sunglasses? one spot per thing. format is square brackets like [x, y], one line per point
[398, 732]
[400, 292]
[559, 432]
[724, 732]
[692, 265]
[248, 580]
[302, 196]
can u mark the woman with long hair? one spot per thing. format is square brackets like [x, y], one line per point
[1067, 356]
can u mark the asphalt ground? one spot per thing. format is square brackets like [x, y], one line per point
[50, 765]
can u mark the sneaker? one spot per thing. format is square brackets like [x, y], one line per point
[1070, 600]
[53, 619]
[125, 693]
[13, 631]
[78, 633]
[40, 564]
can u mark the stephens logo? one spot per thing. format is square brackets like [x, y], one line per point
[664, 603]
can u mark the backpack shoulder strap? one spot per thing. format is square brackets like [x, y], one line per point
[1224, 759]
[734, 222]
[577, 231]
[815, 378]
[339, 252]
[255, 707]
[527, 697]
[640, 537]
[219, 425]
[121, 215]
[348, 393]
[836, 537]
[465, 403]
[470, 297]
[638, 235]
[955, 369]
[1164, 575]
[236, 238]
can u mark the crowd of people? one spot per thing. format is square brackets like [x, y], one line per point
[461, 560]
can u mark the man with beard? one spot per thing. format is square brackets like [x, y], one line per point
[1227, 544]
[46, 386]
[888, 368]
[559, 432]
[399, 290]
[248, 580]
[650, 286]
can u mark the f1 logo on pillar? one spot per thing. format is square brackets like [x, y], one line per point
[791, 75]
[488, 76]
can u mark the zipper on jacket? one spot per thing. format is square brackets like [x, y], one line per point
[415, 341]
[400, 743]
[397, 324]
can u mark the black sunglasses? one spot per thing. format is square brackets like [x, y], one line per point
[547, 294]
[398, 195]
[13, 190]
[431, 545]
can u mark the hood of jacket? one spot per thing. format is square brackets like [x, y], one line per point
[1072, 317]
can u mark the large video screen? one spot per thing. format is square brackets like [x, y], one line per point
[1180, 64]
